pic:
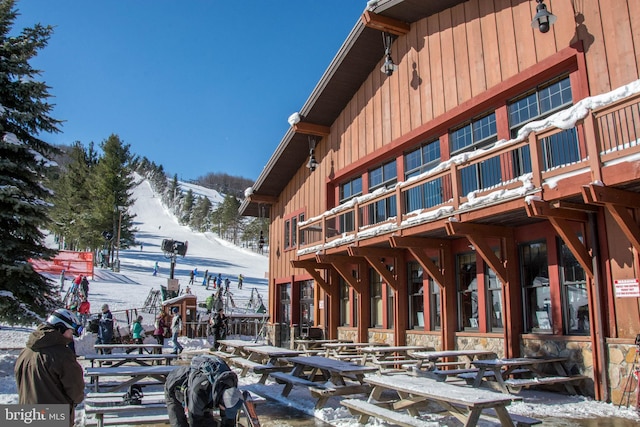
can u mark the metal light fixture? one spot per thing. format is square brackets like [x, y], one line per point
[388, 67]
[312, 164]
[543, 19]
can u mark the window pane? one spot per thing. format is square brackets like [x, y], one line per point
[484, 128]
[461, 138]
[431, 152]
[356, 186]
[375, 177]
[390, 171]
[412, 160]
[523, 110]
[467, 291]
[536, 293]
[555, 95]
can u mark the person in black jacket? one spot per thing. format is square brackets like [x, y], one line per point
[219, 326]
[46, 371]
[201, 393]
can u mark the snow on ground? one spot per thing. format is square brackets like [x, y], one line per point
[130, 287]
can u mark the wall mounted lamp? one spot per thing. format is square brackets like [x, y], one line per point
[543, 19]
[312, 164]
[388, 67]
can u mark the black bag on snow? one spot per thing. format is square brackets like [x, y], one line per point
[209, 371]
[94, 324]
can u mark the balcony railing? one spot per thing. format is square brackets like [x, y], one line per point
[544, 152]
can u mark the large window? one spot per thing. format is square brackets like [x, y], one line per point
[542, 101]
[416, 162]
[478, 133]
[306, 303]
[416, 296]
[377, 306]
[536, 291]
[383, 176]
[284, 313]
[467, 291]
[435, 306]
[345, 303]
[494, 299]
[348, 191]
[575, 300]
[291, 231]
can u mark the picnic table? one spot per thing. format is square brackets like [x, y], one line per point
[313, 347]
[500, 371]
[264, 359]
[233, 348]
[121, 359]
[464, 403]
[109, 409]
[135, 374]
[389, 358]
[150, 347]
[324, 377]
[346, 350]
[433, 361]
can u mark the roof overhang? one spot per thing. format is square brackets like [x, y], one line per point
[356, 58]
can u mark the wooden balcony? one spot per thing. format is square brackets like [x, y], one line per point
[538, 159]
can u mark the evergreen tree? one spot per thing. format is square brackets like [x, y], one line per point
[71, 214]
[187, 208]
[171, 196]
[231, 220]
[112, 183]
[27, 296]
[200, 216]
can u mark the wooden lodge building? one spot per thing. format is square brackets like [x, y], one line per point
[459, 179]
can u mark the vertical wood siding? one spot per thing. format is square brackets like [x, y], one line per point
[448, 59]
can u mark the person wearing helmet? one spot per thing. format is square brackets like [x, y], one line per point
[46, 370]
[105, 327]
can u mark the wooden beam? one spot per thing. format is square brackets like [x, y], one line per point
[262, 198]
[608, 195]
[374, 257]
[479, 230]
[620, 213]
[342, 264]
[311, 267]
[559, 220]
[477, 235]
[312, 129]
[538, 208]
[581, 207]
[384, 23]
[417, 246]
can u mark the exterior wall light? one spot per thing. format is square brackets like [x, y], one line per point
[543, 19]
[388, 67]
[312, 164]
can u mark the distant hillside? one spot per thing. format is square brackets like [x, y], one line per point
[224, 183]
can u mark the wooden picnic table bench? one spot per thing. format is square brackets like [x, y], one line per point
[459, 359]
[464, 403]
[118, 359]
[149, 347]
[135, 373]
[390, 358]
[263, 360]
[108, 409]
[324, 377]
[502, 371]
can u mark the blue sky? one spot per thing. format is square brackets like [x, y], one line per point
[194, 85]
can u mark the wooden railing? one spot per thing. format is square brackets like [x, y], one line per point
[470, 180]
